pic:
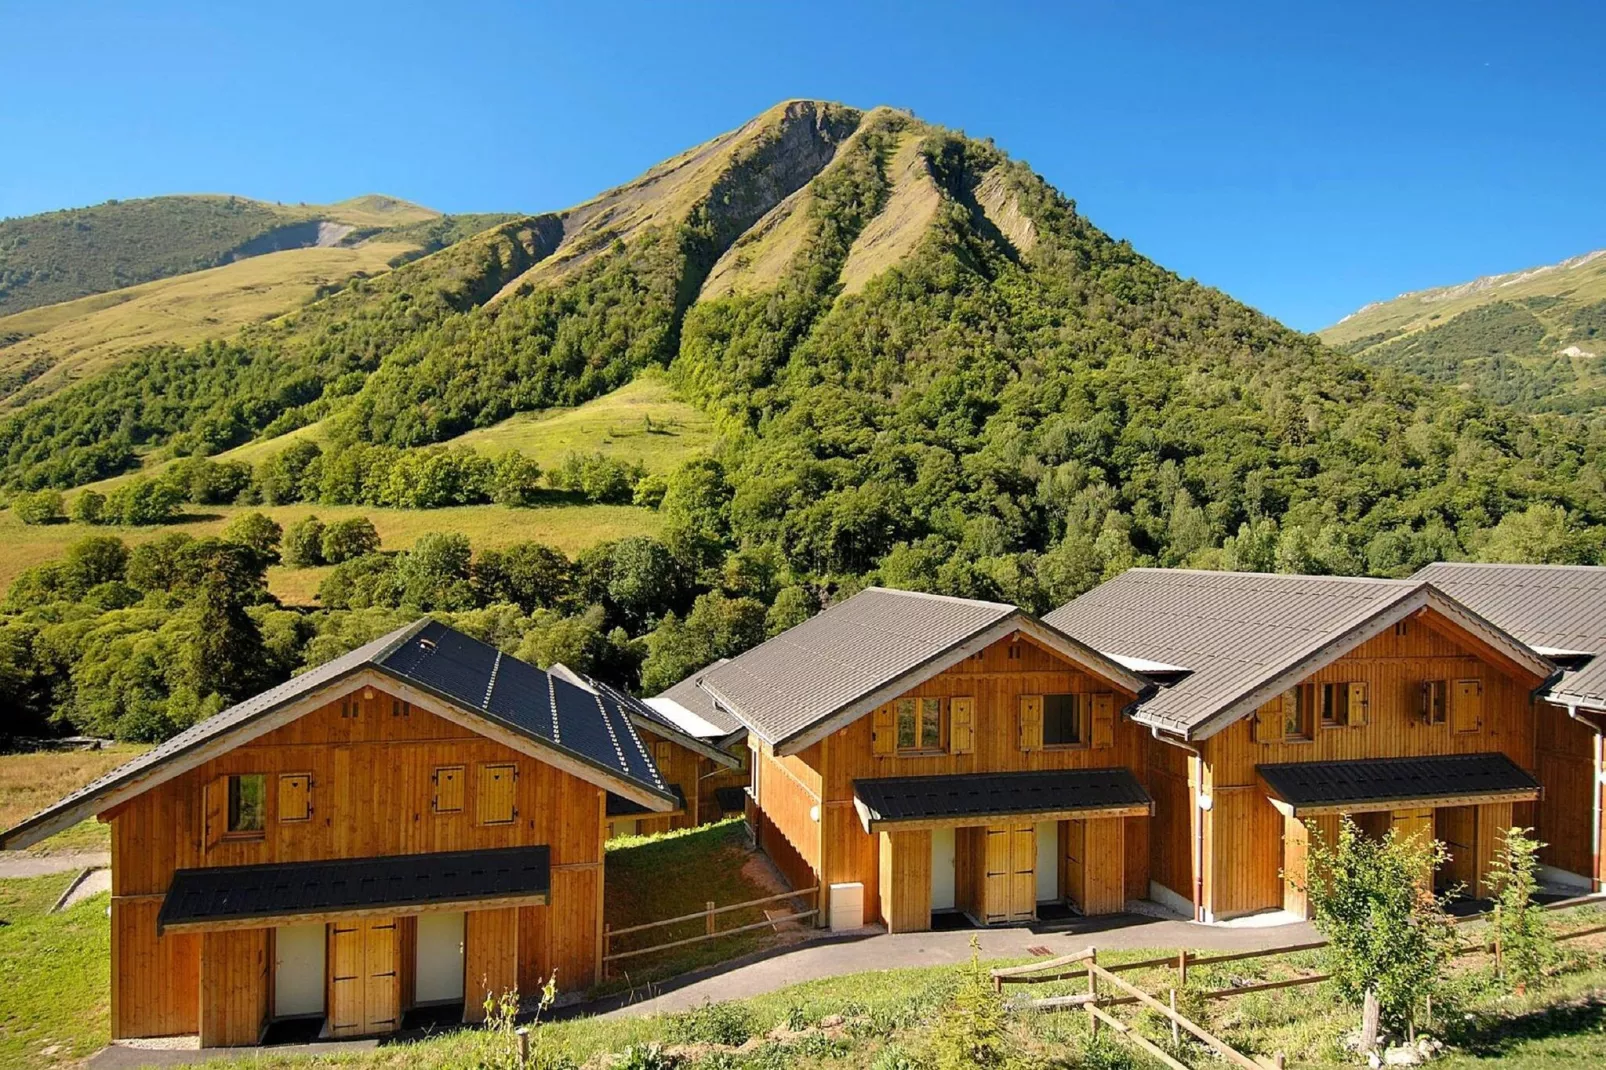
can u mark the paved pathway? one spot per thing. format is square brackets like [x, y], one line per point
[24, 865]
[834, 956]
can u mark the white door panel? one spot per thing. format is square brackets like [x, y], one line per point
[942, 869]
[440, 958]
[298, 973]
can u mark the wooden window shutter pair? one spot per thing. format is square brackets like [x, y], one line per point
[962, 725]
[884, 732]
[1103, 720]
[1031, 722]
[295, 796]
[1466, 706]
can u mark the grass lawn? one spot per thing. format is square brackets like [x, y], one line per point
[712, 863]
[642, 422]
[55, 1000]
[569, 527]
[30, 782]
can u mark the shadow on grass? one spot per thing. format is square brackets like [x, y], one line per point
[1487, 1037]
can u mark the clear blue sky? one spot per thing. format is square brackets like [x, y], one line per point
[1305, 161]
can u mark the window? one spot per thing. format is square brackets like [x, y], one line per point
[1299, 713]
[1433, 701]
[400, 708]
[919, 724]
[1335, 705]
[448, 790]
[248, 804]
[1014, 651]
[1064, 720]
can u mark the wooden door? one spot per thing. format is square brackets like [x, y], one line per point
[1415, 826]
[1457, 828]
[1075, 839]
[363, 992]
[1011, 874]
[1296, 855]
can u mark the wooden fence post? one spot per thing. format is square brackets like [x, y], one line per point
[1182, 967]
[1176, 1030]
[524, 1045]
[1499, 959]
[1093, 992]
[709, 906]
[607, 949]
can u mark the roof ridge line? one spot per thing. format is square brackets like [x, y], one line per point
[934, 597]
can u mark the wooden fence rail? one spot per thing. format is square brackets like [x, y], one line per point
[711, 931]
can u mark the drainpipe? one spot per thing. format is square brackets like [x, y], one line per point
[1198, 819]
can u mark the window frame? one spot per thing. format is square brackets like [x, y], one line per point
[917, 711]
[1306, 715]
[1333, 705]
[232, 807]
[1428, 692]
[1081, 716]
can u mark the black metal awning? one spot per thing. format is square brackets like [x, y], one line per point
[972, 798]
[1381, 783]
[233, 897]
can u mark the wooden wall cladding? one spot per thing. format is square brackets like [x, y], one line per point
[1564, 752]
[905, 881]
[490, 958]
[234, 987]
[371, 791]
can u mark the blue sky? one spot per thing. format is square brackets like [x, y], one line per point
[1305, 157]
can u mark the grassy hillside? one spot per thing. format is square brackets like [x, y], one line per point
[47, 348]
[1534, 339]
[569, 528]
[58, 256]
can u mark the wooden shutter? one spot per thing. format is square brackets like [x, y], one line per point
[884, 731]
[295, 796]
[216, 806]
[1466, 706]
[1267, 727]
[494, 801]
[661, 754]
[1356, 714]
[961, 727]
[1031, 722]
[448, 789]
[1103, 720]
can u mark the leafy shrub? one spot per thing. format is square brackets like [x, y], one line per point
[642, 1057]
[258, 531]
[346, 539]
[303, 543]
[597, 477]
[40, 507]
[516, 480]
[1527, 943]
[973, 1031]
[142, 501]
[89, 507]
[725, 1023]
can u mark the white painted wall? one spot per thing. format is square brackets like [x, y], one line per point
[298, 974]
[1048, 861]
[942, 869]
[440, 958]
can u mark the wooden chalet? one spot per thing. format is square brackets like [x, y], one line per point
[721, 786]
[418, 822]
[1286, 701]
[1559, 611]
[914, 754]
[690, 764]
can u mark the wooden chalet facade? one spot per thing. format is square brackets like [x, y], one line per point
[928, 754]
[1559, 611]
[419, 822]
[1286, 701]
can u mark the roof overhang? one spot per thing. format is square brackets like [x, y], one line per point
[117, 790]
[1507, 653]
[1370, 785]
[1018, 622]
[873, 824]
[1371, 806]
[963, 800]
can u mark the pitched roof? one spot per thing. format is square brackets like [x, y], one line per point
[1237, 637]
[286, 890]
[689, 706]
[964, 796]
[556, 716]
[842, 663]
[1557, 609]
[1307, 785]
[645, 716]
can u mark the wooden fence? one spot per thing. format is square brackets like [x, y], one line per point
[1070, 967]
[711, 931]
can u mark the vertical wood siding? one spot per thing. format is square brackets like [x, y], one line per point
[490, 958]
[371, 793]
[234, 987]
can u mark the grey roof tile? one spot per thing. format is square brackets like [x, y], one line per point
[699, 703]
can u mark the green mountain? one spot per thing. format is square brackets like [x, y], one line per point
[1533, 339]
[922, 362]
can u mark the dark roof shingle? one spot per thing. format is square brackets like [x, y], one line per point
[1375, 780]
[291, 889]
[981, 795]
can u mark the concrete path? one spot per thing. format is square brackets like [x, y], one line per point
[834, 956]
[21, 865]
